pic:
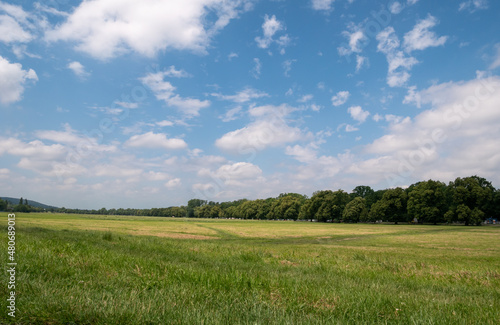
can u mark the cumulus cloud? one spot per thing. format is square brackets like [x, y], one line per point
[257, 69]
[239, 170]
[473, 5]
[165, 91]
[457, 136]
[420, 38]
[231, 114]
[11, 31]
[355, 36]
[496, 61]
[13, 80]
[322, 4]
[78, 69]
[270, 129]
[107, 28]
[243, 96]
[340, 98]
[287, 67]
[174, 73]
[358, 114]
[399, 64]
[152, 140]
[360, 62]
[270, 27]
[173, 183]
[396, 8]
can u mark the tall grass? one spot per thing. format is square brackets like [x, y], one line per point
[380, 275]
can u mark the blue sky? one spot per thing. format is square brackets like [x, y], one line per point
[150, 103]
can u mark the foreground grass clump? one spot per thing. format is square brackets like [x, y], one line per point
[130, 270]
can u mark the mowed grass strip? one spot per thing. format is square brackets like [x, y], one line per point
[119, 270]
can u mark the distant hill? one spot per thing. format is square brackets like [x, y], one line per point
[35, 204]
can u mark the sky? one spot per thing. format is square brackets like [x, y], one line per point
[141, 104]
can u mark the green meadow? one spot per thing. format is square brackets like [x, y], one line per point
[82, 269]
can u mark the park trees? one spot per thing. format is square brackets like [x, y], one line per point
[427, 201]
[355, 210]
[391, 207]
[470, 197]
[287, 206]
[325, 206]
[3, 205]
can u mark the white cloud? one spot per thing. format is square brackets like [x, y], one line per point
[34, 148]
[11, 31]
[155, 140]
[164, 90]
[412, 2]
[340, 98]
[127, 104]
[174, 73]
[156, 176]
[256, 71]
[388, 41]
[107, 28]
[243, 96]
[305, 98]
[420, 38]
[322, 4]
[377, 117]
[360, 61]
[496, 62]
[164, 123]
[270, 27]
[239, 170]
[456, 137]
[399, 64]
[78, 69]
[350, 128]
[232, 55]
[358, 114]
[473, 5]
[355, 36]
[396, 8]
[412, 97]
[116, 171]
[270, 129]
[287, 67]
[173, 183]
[231, 114]
[13, 80]
[259, 135]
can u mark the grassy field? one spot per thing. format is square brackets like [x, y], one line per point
[75, 269]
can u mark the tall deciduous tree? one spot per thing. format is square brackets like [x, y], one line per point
[355, 210]
[325, 205]
[470, 198]
[427, 201]
[392, 206]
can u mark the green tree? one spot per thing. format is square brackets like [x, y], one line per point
[3, 205]
[377, 212]
[391, 207]
[355, 210]
[324, 206]
[192, 204]
[287, 206]
[470, 198]
[427, 201]
[362, 191]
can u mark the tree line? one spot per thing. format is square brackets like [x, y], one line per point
[469, 200]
